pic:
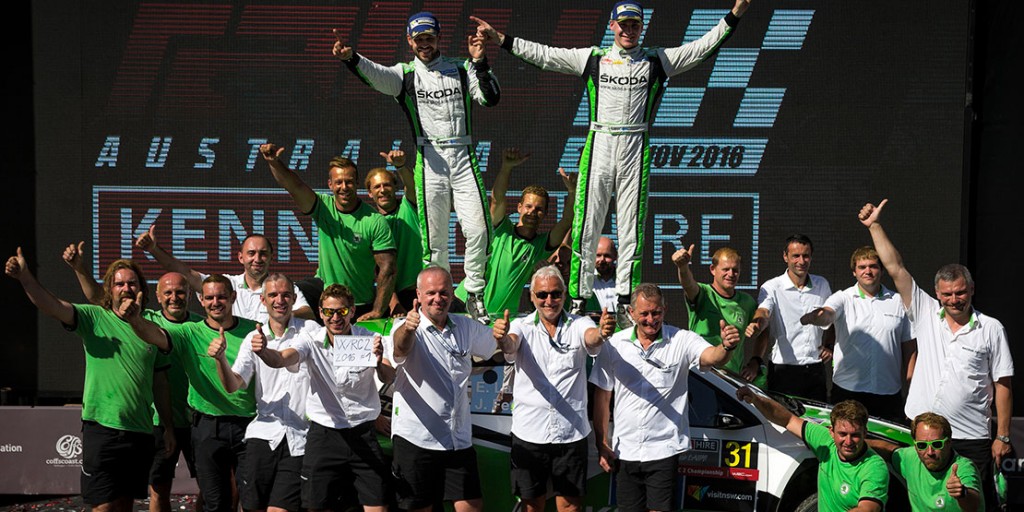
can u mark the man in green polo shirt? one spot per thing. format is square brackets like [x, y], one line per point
[218, 429]
[120, 375]
[516, 249]
[851, 476]
[937, 477]
[404, 223]
[354, 239]
[172, 294]
[709, 305]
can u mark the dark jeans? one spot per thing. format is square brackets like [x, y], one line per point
[889, 407]
[219, 451]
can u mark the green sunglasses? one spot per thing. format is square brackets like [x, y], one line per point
[936, 444]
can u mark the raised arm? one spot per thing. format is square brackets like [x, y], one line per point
[507, 342]
[405, 336]
[47, 302]
[561, 60]
[396, 157]
[773, 411]
[719, 355]
[230, 380]
[74, 257]
[147, 242]
[594, 337]
[302, 194]
[562, 227]
[510, 159]
[682, 58]
[387, 80]
[682, 259]
[483, 86]
[891, 259]
[131, 311]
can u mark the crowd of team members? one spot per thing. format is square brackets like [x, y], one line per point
[254, 396]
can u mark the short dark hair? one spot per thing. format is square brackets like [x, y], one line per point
[257, 235]
[218, 279]
[863, 253]
[337, 291]
[343, 162]
[851, 411]
[798, 239]
[536, 190]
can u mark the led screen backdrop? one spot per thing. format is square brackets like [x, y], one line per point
[150, 114]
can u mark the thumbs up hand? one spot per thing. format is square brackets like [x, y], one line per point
[954, 486]
[500, 328]
[217, 346]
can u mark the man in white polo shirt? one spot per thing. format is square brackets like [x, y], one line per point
[647, 367]
[343, 456]
[275, 441]
[873, 340]
[431, 429]
[255, 255]
[800, 351]
[963, 358]
[549, 422]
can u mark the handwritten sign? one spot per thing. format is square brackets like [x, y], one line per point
[354, 351]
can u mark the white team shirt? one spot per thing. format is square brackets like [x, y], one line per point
[550, 386]
[955, 370]
[870, 332]
[248, 302]
[604, 290]
[431, 399]
[651, 408]
[794, 343]
[339, 396]
[280, 392]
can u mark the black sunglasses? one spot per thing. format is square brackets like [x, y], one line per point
[542, 295]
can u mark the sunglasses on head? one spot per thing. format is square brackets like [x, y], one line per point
[329, 312]
[936, 444]
[542, 295]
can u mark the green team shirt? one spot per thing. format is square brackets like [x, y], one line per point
[710, 307]
[927, 489]
[509, 268]
[842, 484]
[405, 229]
[119, 370]
[205, 392]
[177, 381]
[347, 244]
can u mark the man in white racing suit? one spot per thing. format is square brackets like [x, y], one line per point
[436, 94]
[623, 83]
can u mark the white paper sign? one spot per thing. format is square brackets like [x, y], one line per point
[354, 351]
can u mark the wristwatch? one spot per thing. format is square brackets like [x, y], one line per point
[1004, 439]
